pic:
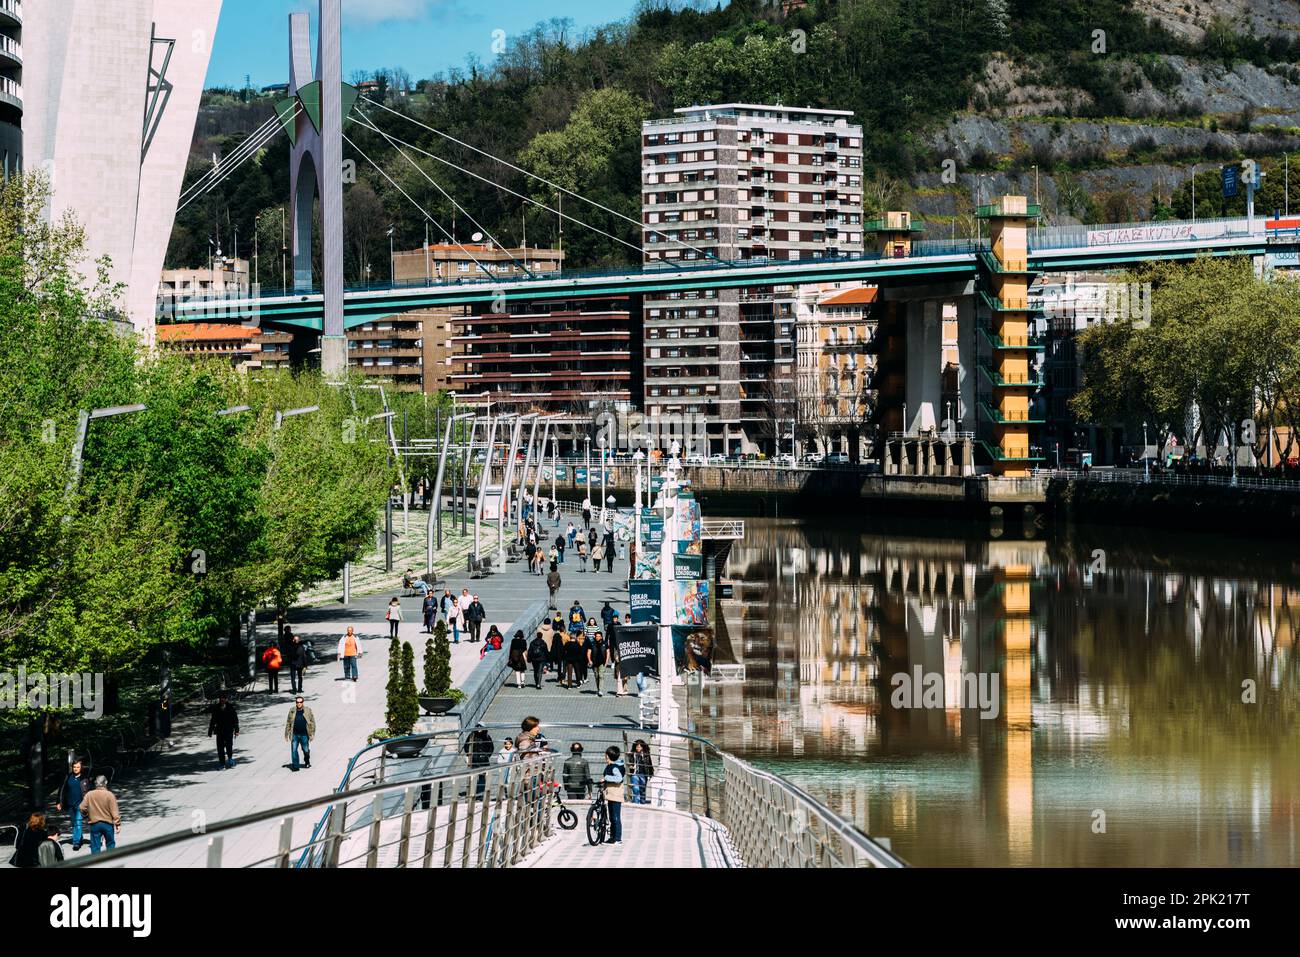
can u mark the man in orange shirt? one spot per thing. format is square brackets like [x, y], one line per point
[349, 651]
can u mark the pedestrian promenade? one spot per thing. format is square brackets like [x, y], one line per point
[182, 788]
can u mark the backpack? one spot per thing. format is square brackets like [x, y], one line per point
[272, 658]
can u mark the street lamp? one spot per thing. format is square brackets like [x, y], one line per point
[291, 413]
[392, 258]
[84, 418]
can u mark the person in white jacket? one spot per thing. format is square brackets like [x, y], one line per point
[462, 606]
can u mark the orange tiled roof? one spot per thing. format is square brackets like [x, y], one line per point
[863, 295]
[204, 331]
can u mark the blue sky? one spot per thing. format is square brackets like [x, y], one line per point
[422, 36]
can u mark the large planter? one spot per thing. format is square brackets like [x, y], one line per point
[407, 749]
[437, 705]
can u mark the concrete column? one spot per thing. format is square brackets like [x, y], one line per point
[334, 355]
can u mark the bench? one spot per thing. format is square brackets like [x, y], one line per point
[514, 554]
[480, 567]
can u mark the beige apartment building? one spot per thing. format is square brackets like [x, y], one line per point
[740, 182]
[836, 361]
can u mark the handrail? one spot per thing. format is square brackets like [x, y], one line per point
[507, 808]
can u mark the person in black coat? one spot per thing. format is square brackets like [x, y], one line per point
[519, 658]
[297, 658]
[538, 655]
[575, 661]
[224, 723]
[609, 552]
[27, 853]
[480, 749]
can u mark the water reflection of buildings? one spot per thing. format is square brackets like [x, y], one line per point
[1120, 688]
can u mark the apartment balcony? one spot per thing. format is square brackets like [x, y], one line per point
[356, 355]
[11, 52]
[392, 370]
[11, 13]
[11, 92]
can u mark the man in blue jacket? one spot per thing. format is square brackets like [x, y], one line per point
[70, 795]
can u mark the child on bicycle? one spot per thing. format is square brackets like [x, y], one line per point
[612, 782]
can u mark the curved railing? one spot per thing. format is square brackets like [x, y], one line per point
[494, 815]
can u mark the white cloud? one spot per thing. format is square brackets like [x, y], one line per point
[371, 12]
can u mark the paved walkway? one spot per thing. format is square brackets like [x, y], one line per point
[651, 838]
[183, 789]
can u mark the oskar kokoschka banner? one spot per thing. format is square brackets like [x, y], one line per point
[690, 603]
[638, 650]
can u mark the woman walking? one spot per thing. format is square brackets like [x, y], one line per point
[518, 657]
[394, 616]
[582, 555]
[639, 770]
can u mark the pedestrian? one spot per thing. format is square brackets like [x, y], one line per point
[394, 616]
[31, 849]
[592, 538]
[555, 657]
[575, 660]
[537, 655]
[606, 615]
[558, 547]
[586, 513]
[612, 781]
[530, 741]
[507, 752]
[463, 603]
[493, 641]
[639, 771]
[555, 556]
[300, 729]
[577, 619]
[597, 556]
[453, 616]
[598, 658]
[350, 651]
[553, 582]
[71, 792]
[271, 661]
[582, 555]
[224, 723]
[620, 679]
[519, 658]
[99, 808]
[444, 606]
[571, 533]
[297, 664]
[577, 774]
[475, 615]
[479, 750]
[610, 549]
[428, 609]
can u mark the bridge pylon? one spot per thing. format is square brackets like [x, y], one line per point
[316, 165]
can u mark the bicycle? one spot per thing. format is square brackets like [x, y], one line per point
[566, 818]
[598, 818]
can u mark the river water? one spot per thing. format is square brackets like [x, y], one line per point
[1097, 697]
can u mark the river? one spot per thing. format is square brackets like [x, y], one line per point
[1139, 690]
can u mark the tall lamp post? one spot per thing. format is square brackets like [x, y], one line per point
[668, 722]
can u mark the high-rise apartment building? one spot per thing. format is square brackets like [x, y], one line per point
[740, 182]
[11, 87]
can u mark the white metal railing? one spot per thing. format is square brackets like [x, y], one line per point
[1138, 477]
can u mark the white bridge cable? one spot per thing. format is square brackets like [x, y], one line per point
[347, 139]
[526, 199]
[257, 135]
[249, 148]
[420, 169]
[541, 179]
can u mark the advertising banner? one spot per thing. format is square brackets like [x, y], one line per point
[652, 528]
[638, 650]
[691, 603]
[643, 597]
[688, 567]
